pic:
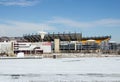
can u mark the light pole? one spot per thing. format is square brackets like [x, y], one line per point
[42, 34]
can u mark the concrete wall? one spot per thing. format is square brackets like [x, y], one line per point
[56, 45]
[6, 48]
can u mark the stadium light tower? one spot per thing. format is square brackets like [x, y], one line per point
[42, 34]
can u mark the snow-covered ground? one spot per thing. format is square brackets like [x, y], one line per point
[94, 69]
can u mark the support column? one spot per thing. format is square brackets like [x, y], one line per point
[56, 45]
[75, 46]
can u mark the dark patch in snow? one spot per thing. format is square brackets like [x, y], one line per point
[15, 76]
[99, 75]
[72, 61]
[62, 74]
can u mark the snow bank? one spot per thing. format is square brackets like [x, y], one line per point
[20, 54]
[69, 69]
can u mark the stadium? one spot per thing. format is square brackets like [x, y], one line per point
[70, 42]
[48, 43]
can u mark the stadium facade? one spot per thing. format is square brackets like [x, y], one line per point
[70, 42]
[57, 43]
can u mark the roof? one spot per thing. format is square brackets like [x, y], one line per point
[51, 37]
[96, 38]
[62, 37]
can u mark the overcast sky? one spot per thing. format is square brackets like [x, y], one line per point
[91, 17]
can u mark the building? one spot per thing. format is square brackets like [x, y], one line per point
[55, 43]
[70, 42]
[32, 48]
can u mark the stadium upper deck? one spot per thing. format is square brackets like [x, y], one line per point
[65, 37]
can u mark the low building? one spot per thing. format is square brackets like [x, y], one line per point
[32, 47]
